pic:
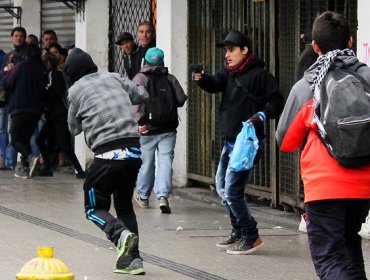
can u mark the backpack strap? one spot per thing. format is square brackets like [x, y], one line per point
[251, 96]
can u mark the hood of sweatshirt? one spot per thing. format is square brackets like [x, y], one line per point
[78, 64]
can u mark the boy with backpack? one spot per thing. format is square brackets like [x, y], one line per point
[334, 162]
[158, 121]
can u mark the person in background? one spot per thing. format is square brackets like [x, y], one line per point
[56, 126]
[3, 127]
[25, 106]
[130, 53]
[336, 198]
[15, 56]
[32, 39]
[307, 58]
[100, 105]
[248, 93]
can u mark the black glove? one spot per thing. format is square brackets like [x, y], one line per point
[258, 123]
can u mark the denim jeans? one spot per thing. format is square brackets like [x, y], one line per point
[10, 152]
[157, 174]
[2, 132]
[230, 187]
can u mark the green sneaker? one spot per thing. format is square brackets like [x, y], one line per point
[126, 242]
[135, 268]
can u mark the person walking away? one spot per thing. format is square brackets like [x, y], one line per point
[248, 92]
[25, 106]
[100, 105]
[336, 196]
[157, 126]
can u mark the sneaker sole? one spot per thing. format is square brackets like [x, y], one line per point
[138, 271]
[140, 203]
[21, 176]
[33, 167]
[124, 257]
[224, 247]
[250, 251]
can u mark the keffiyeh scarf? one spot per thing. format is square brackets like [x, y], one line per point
[324, 62]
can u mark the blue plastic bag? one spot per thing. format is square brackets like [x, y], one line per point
[245, 149]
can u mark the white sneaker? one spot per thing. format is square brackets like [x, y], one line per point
[302, 225]
[365, 228]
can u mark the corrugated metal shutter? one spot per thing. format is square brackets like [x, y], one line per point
[58, 17]
[6, 25]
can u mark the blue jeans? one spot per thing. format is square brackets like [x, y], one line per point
[163, 145]
[2, 132]
[230, 187]
[10, 152]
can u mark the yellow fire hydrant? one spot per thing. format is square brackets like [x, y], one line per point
[45, 267]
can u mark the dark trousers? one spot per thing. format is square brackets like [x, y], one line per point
[56, 130]
[107, 177]
[22, 128]
[335, 245]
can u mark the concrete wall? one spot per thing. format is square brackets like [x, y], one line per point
[172, 39]
[31, 15]
[363, 32]
[92, 36]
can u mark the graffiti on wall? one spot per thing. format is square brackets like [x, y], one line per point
[364, 53]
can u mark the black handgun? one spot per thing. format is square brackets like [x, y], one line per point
[197, 68]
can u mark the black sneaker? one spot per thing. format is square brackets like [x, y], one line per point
[245, 247]
[164, 205]
[22, 172]
[45, 172]
[228, 241]
[81, 175]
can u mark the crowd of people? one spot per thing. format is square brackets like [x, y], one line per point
[131, 129]
[34, 107]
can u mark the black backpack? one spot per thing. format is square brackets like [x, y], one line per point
[161, 106]
[345, 114]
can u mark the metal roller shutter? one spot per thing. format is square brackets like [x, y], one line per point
[6, 25]
[58, 17]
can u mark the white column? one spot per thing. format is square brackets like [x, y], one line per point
[31, 15]
[92, 36]
[363, 33]
[172, 39]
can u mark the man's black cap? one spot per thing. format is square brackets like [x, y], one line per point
[235, 38]
[124, 36]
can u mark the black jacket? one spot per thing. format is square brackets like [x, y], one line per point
[132, 63]
[26, 87]
[237, 105]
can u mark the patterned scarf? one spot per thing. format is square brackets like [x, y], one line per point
[324, 62]
[241, 66]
